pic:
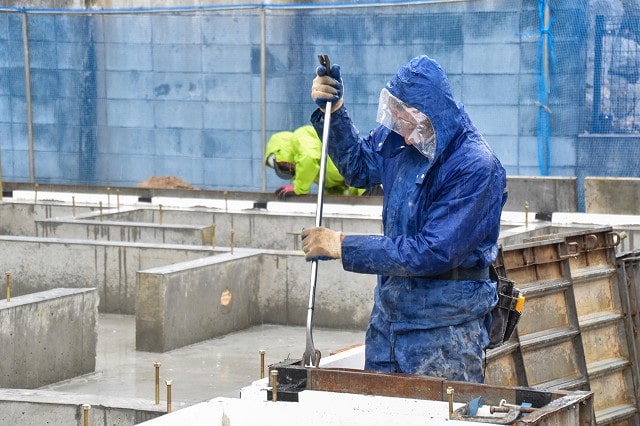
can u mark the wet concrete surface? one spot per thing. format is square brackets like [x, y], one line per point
[199, 372]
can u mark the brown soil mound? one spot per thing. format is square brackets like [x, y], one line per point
[169, 182]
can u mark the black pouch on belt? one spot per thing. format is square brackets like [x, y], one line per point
[504, 316]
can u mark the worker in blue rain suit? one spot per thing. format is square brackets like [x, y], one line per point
[444, 190]
[296, 156]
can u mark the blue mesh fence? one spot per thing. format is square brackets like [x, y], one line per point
[112, 97]
[616, 75]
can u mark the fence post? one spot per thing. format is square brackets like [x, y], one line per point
[27, 85]
[1, 176]
[263, 96]
[597, 75]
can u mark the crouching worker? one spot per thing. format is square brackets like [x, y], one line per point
[444, 190]
[295, 156]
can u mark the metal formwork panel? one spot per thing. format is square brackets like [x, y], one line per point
[610, 386]
[554, 363]
[629, 281]
[596, 291]
[602, 324]
[629, 284]
[581, 318]
[605, 339]
[595, 247]
[565, 408]
[547, 311]
[548, 332]
[504, 366]
[601, 316]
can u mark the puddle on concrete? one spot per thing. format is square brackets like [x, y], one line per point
[199, 372]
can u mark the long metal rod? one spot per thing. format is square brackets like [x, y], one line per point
[311, 354]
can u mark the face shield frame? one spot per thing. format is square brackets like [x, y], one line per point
[409, 122]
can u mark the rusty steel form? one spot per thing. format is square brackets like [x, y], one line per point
[577, 315]
[567, 408]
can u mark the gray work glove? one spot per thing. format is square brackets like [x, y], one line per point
[321, 244]
[327, 88]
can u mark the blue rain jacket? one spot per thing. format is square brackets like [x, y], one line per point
[437, 215]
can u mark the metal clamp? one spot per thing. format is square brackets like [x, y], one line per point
[613, 239]
[573, 250]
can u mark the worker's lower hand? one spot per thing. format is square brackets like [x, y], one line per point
[285, 192]
[325, 88]
[321, 244]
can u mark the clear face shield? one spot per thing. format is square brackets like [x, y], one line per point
[408, 122]
[283, 170]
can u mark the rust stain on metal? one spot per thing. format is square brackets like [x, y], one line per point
[375, 383]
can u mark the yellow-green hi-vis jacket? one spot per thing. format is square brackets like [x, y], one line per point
[303, 148]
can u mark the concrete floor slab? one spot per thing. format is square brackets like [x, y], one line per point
[199, 372]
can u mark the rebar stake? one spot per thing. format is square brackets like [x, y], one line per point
[274, 385]
[73, 206]
[100, 211]
[450, 398]
[160, 213]
[262, 352]
[8, 278]
[526, 215]
[85, 409]
[168, 383]
[108, 197]
[157, 366]
[118, 199]
[231, 241]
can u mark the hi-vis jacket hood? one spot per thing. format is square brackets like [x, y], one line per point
[437, 215]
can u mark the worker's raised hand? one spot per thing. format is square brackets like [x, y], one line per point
[285, 192]
[325, 88]
[321, 243]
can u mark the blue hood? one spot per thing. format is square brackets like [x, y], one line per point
[423, 84]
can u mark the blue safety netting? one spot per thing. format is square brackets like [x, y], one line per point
[112, 97]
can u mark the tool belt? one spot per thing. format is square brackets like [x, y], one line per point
[506, 314]
[464, 274]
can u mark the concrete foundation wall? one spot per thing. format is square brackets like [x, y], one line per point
[38, 407]
[612, 195]
[255, 229]
[38, 264]
[47, 337]
[548, 194]
[105, 230]
[19, 218]
[198, 300]
[189, 303]
[343, 299]
[607, 155]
